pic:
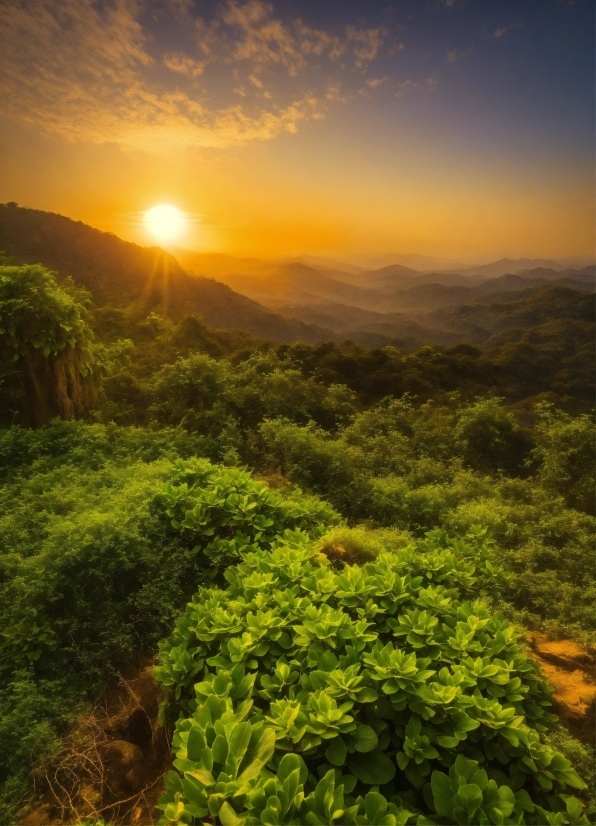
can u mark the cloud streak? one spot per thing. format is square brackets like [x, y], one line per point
[91, 71]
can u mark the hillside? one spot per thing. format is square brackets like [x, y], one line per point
[277, 284]
[394, 493]
[298, 290]
[120, 273]
[526, 309]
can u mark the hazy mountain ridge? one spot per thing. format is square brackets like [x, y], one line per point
[287, 286]
[509, 265]
[118, 272]
[476, 321]
[279, 301]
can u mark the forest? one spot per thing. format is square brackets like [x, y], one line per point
[333, 560]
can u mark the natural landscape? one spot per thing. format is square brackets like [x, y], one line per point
[297, 461]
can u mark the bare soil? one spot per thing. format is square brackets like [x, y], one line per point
[571, 670]
[113, 762]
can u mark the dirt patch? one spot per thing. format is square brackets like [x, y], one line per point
[112, 763]
[571, 670]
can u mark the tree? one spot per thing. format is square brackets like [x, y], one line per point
[566, 455]
[46, 347]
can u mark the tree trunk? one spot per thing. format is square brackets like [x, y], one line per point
[53, 386]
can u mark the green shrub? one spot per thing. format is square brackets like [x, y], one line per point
[223, 512]
[38, 314]
[566, 458]
[373, 694]
[91, 571]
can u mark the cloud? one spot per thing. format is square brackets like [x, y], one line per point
[365, 43]
[430, 84]
[456, 54]
[262, 38]
[184, 65]
[376, 81]
[317, 42]
[498, 33]
[401, 90]
[91, 71]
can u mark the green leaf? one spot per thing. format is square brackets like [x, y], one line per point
[375, 806]
[448, 742]
[336, 752]
[442, 794]
[203, 776]
[228, 816]
[195, 744]
[574, 808]
[374, 768]
[365, 739]
[238, 744]
[469, 798]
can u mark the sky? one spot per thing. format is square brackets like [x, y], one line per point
[462, 129]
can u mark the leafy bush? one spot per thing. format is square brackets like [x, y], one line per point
[37, 314]
[565, 453]
[372, 694]
[224, 512]
[398, 466]
[91, 571]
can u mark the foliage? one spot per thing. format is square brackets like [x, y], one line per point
[106, 535]
[321, 688]
[566, 457]
[91, 571]
[226, 513]
[404, 466]
[38, 314]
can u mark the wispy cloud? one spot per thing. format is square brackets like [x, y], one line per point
[502, 30]
[456, 54]
[261, 38]
[93, 72]
[430, 84]
[403, 86]
[376, 81]
[365, 43]
[183, 64]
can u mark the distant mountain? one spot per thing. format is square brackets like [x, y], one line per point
[323, 263]
[478, 320]
[394, 288]
[585, 274]
[422, 263]
[431, 296]
[458, 315]
[276, 284]
[121, 273]
[391, 277]
[371, 329]
[509, 265]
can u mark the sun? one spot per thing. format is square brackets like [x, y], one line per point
[165, 222]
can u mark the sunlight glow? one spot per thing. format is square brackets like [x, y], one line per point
[165, 222]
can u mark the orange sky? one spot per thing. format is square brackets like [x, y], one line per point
[361, 154]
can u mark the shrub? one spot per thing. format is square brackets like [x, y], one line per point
[372, 694]
[223, 512]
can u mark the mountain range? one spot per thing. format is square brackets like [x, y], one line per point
[120, 273]
[286, 301]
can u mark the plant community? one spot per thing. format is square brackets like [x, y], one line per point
[335, 552]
